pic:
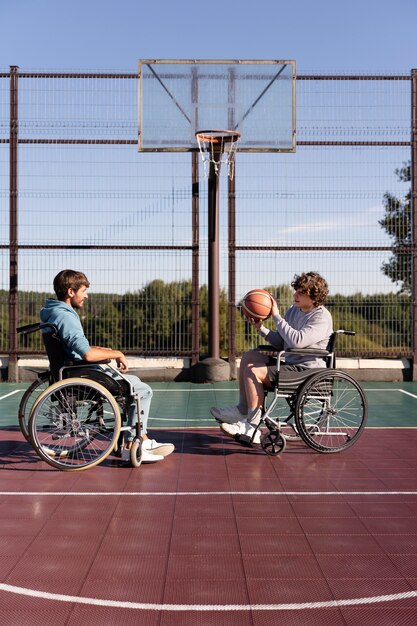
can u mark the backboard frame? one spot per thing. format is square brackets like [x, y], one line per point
[273, 70]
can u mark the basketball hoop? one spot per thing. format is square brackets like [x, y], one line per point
[217, 147]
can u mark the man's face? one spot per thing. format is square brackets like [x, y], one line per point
[77, 298]
[303, 301]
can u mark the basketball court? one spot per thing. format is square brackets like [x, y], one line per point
[216, 533]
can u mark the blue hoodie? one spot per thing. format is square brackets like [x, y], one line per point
[68, 325]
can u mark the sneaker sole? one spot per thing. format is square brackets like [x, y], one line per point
[244, 440]
[162, 450]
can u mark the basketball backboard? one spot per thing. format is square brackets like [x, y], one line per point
[177, 98]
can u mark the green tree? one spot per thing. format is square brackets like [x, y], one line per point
[397, 224]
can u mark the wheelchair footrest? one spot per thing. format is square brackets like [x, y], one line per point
[245, 440]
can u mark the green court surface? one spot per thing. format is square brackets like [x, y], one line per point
[187, 405]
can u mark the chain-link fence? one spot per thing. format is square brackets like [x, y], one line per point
[75, 192]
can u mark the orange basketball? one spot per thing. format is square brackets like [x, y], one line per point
[257, 304]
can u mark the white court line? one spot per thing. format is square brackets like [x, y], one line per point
[11, 394]
[207, 607]
[208, 493]
[407, 393]
[181, 419]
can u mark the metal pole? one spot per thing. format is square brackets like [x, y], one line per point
[195, 306]
[232, 276]
[13, 227]
[231, 205]
[213, 263]
[413, 200]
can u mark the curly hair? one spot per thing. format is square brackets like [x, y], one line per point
[69, 279]
[312, 284]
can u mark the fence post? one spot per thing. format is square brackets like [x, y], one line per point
[413, 200]
[13, 375]
[231, 308]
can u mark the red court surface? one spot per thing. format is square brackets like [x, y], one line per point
[215, 535]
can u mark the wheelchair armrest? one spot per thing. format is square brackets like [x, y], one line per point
[81, 363]
[28, 328]
[313, 351]
[266, 348]
[301, 351]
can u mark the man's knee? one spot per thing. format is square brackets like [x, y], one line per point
[260, 372]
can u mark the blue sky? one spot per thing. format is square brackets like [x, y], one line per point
[368, 36]
[325, 35]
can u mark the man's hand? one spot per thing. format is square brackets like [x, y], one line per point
[275, 309]
[122, 363]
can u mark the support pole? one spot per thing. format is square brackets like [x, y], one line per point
[195, 316]
[413, 200]
[213, 368]
[13, 375]
[213, 263]
[232, 276]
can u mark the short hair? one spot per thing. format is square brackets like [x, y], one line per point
[69, 279]
[313, 285]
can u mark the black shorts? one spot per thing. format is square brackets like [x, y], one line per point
[272, 368]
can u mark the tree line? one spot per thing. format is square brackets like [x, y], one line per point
[158, 319]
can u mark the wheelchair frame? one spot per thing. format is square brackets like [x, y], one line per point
[328, 407]
[74, 413]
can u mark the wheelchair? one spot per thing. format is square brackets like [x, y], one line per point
[76, 412]
[328, 408]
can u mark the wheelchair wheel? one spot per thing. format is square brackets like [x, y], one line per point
[136, 453]
[331, 411]
[28, 399]
[74, 424]
[273, 442]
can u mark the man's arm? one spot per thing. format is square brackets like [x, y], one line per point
[96, 353]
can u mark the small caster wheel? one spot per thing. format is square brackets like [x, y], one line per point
[273, 443]
[136, 453]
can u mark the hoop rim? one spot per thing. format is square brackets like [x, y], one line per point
[217, 136]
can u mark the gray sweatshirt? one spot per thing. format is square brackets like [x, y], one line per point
[301, 330]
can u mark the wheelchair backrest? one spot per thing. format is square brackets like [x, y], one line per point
[55, 351]
[331, 359]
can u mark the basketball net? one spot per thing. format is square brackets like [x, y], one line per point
[217, 147]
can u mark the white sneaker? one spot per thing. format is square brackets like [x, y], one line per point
[153, 447]
[228, 414]
[147, 457]
[241, 428]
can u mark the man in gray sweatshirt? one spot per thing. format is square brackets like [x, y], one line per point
[306, 324]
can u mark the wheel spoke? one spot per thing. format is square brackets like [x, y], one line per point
[74, 424]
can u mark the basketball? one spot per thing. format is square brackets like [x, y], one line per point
[257, 304]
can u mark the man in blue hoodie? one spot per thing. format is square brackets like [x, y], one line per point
[71, 291]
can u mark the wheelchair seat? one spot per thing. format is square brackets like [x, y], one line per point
[290, 381]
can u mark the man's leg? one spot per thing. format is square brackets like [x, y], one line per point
[256, 376]
[234, 413]
[144, 393]
[253, 377]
